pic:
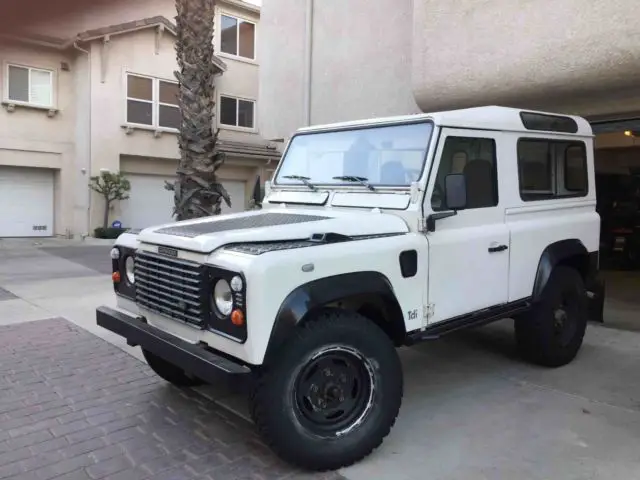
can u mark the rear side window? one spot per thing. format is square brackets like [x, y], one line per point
[550, 169]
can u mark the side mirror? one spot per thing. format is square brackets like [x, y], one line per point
[455, 198]
[455, 191]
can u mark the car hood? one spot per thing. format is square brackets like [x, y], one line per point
[278, 224]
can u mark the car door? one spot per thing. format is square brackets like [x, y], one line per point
[469, 251]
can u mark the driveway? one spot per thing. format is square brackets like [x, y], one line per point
[472, 409]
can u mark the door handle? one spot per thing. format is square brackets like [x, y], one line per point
[499, 248]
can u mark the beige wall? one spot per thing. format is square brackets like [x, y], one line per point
[30, 137]
[103, 15]
[145, 151]
[134, 53]
[241, 78]
[404, 55]
[87, 133]
[360, 64]
[571, 55]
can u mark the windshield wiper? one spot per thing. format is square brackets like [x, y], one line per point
[303, 179]
[360, 180]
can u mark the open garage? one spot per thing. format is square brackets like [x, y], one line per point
[26, 197]
[617, 164]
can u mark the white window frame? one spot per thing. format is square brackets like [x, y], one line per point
[29, 103]
[155, 102]
[237, 127]
[239, 19]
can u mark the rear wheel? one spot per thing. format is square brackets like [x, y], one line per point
[170, 372]
[332, 394]
[551, 334]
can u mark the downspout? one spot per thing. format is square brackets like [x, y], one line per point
[308, 45]
[89, 196]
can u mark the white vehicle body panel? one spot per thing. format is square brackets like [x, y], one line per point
[264, 298]
[344, 222]
[457, 274]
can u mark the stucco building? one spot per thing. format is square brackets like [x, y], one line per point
[97, 91]
[322, 62]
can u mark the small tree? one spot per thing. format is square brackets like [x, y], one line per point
[112, 186]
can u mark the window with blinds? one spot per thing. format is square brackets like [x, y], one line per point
[33, 86]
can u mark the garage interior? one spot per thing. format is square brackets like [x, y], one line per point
[617, 165]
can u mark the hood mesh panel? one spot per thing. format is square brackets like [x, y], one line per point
[241, 223]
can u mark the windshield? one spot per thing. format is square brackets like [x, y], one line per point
[386, 156]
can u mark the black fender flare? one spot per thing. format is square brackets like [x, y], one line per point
[309, 296]
[551, 256]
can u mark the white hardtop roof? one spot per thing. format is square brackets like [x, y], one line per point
[485, 118]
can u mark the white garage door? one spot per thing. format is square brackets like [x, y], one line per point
[26, 202]
[150, 204]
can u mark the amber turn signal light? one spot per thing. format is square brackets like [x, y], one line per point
[115, 277]
[237, 318]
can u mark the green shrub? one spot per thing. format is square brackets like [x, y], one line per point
[109, 232]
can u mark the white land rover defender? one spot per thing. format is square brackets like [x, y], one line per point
[373, 235]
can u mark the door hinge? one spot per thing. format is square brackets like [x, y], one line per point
[427, 313]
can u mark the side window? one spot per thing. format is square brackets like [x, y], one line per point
[550, 169]
[476, 159]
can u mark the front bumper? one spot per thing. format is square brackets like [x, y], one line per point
[194, 359]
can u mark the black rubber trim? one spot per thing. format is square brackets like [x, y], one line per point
[548, 123]
[319, 292]
[123, 288]
[470, 320]
[260, 248]
[596, 288]
[191, 358]
[408, 263]
[552, 256]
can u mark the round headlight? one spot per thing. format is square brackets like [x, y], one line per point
[222, 297]
[115, 253]
[236, 283]
[128, 266]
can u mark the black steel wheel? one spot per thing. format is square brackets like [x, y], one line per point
[334, 391]
[551, 334]
[332, 394]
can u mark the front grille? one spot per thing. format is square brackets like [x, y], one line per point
[171, 287]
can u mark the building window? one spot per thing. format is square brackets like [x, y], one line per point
[33, 86]
[238, 37]
[236, 112]
[152, 102]
[476, 159]
[550, 169]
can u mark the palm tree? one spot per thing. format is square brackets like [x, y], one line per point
[197, 191]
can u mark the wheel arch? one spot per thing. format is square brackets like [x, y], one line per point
[569, 252]
[369, 293]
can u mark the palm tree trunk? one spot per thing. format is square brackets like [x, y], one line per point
[197, 191]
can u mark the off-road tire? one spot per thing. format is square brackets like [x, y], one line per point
[275, 401]
[537, 332]
[169, 372]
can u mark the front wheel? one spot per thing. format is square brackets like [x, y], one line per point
[333, 393]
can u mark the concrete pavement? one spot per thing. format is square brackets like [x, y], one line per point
[471, 408]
